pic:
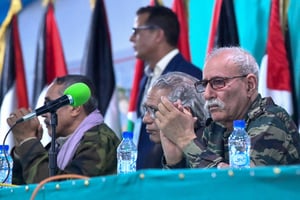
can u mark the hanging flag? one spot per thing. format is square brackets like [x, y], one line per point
[223, 31]
[98, 65]
[295, 114]
[180, 8]
[50, 61]
[15, 7]
[138, 74]
[13, 89]
[275, 65]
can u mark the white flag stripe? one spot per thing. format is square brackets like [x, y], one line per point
[282, 98]
[9, 104]
[112, 116]
[131, 115]
[40, 102]
[262, 84]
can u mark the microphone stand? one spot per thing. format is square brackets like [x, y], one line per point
[52, 152]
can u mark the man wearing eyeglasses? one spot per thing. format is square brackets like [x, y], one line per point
[230, 88]
[179, 88]
[155, 37]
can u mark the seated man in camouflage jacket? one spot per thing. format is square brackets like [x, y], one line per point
[230, 88]
[85, 144]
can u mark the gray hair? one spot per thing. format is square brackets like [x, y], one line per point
[242, 58]
[181, 87]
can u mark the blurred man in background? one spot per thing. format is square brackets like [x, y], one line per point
[155, 37]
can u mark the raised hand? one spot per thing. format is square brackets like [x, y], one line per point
[176, 123]
[24, 130]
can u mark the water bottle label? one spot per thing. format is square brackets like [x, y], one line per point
[126, 166]
[240, 159]
[4, 170]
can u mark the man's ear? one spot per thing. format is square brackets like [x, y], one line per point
[251, 84]
[76, 110]
[160, 35]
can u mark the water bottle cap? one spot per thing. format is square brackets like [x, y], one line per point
[4, 147]
[127, 134]
[239, 123]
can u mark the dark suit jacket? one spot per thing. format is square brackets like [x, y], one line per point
[149, 154]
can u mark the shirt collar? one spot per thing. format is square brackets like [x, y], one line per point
[161, 64]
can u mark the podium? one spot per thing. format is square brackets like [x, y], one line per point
[255, 183]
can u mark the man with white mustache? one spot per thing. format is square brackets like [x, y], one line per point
[230, 88]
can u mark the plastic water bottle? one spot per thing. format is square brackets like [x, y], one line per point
[6, 165]
[126, 154]
[239, 146]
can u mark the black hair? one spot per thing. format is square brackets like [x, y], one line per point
[70, 79]
[164, 18]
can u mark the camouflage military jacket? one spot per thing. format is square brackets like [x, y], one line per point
[274, 138]
[94, 156]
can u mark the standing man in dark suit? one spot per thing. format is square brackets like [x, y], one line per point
[155, 37]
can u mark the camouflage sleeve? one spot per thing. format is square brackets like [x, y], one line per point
[274, 140]
[199, 156]
[33, 160]
[95, 156]
[203, 154]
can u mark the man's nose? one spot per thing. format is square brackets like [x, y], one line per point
[147, 119]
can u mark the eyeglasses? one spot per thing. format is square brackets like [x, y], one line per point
[216, 83]
[135, 30]
[150, 110]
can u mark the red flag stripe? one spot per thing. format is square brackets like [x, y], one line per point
[50, 60]
[214, 24]
[20, 79]
[138, 73]
[179, 8]
[278, 65]
[55, 66]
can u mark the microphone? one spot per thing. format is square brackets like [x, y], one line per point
[76, 94]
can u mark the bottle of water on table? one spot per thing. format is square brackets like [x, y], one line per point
[126, 154]
[6, 165]
[239, 146]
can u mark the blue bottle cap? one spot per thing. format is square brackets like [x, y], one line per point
[127, 134]
[239, 123]
[4, 147]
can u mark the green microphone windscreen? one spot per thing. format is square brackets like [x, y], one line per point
[79, 92]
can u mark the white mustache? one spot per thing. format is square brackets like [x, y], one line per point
[214, 102]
